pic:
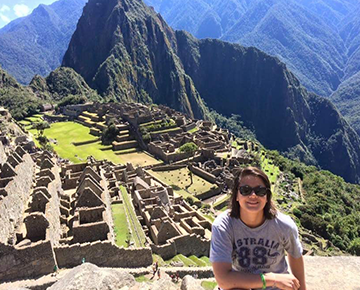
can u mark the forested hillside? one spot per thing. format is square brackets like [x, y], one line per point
[36, 44]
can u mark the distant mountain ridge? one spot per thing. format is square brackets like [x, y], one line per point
[318, 40]
[36, 44]
[128, 52]
[304, 34]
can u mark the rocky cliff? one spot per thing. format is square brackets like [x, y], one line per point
[124, 49]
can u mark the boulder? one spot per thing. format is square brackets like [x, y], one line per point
[190, 283]
[90, 277]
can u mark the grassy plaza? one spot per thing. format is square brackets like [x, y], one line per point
[63, 135]
[180, 179]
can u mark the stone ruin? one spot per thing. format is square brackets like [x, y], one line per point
[58, 215]
[171, 226]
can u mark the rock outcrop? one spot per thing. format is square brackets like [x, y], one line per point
[89, 276]
[190, 283]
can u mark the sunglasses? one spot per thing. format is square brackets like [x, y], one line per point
[246, 190]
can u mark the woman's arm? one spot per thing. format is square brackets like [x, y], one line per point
[298, 269]
[229, 279]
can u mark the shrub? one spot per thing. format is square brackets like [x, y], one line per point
[189, 147]
[354, 247]
[72, 100]
[109, 134]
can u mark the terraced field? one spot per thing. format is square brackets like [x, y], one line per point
[64, 135]
[138, 235]
[120, 225]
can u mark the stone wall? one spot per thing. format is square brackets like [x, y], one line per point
[168, 167]
[13, 205]
[210, 193]
[203, 174]
[104, 254]
[24, 262]
[158, 151]
[187, 245]
[2, 153]
[192, 245]
[53, 209]
[166, 251]
[90, 232]
[56, 118]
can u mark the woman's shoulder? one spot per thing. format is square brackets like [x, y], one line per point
[284, 221]
[223, 220]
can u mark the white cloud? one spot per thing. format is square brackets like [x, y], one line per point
[4, 8]
[21, 10]
[4, 18]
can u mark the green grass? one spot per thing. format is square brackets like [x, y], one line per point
[198, 261]
[191, 261]
[120, 224]
[224, 208]
[25, 123]
[193, 130]
[208, 285]
[157, 258]
[221, 200]
[181, 258]
[142, 278]
[271, 170]
[137, 232]
[166, 130]
[180, 178]
[65, 133]
[209, 217]
[150, 123]
[206, 260]
[34, 118]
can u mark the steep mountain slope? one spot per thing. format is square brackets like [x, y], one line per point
[350, 32]
[123, 49]
[36, 44]
[347, 100]
[245, 81]
[128, 52]
[299, 38]
[61, 83]
[202, 18]
[305, 34]
[21, 101]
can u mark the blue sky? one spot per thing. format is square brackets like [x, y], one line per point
[12, 9]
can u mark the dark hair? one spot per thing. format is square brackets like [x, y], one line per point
[269, 209]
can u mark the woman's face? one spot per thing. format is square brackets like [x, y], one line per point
[252, 203]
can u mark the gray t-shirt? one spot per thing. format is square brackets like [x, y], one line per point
[255, 250]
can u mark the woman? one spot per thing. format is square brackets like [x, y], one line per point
[249, 241]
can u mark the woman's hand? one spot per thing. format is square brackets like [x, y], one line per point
[282, 281]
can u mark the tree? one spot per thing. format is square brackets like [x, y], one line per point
[40, 127]
[355, 247]
[110, 133]
[189, 147]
